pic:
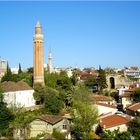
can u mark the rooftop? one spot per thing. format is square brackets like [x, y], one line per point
[106, 105]
[13, 86]
[134, 107]
[52, 119]
[113, 120]
[101, 98]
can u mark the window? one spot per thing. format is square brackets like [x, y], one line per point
[64, 126]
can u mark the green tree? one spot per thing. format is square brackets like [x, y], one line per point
[58, 81]
[68, 98]
[90, 81]
[52, 104]
[81, 93]
[108, 135]
[26, 77]
[51, 79]
[7, 75]
[22, 121]
[123, 136]
[14, 78]
[6, 116]
[39, 93]
[114, 135]
[63, 73]
[64, 82]
[84, 115]
[136, 95]
[75, 75]
[59, 136]
[133, 127]
[8, 70]
[101, 80]
[19, 69]
[30, 70]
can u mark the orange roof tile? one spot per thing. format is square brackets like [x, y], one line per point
[106, 105]
[134, 107]
[101, 98]
[113, 120]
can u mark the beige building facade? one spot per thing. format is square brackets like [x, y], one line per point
[45, 124]
[3, 67]
[116, 81]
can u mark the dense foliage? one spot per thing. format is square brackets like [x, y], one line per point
[62, 93]
[22, 119]
[84, 115]
[115, 135]
[134, 126]
[19, 69]
[24, 76]
[39, 93]
[75, 75]
[6, 116]
[136, 95]
[53, 103]
[59, 136]
[99, 82]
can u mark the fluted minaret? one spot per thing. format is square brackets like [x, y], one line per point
[50, 61]
[38, 55]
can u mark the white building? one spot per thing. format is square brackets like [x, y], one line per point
[122, 89]
[19, 94]
[132, 72]
[102, 99]
[14, 70]
[106, 108]
[3, 67]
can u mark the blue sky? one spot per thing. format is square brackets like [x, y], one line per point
[82, 34]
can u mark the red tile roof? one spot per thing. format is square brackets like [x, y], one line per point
[84, 75]
[52, 119]
[113, 120]
[134, 107]
[106, 105]
[101, 98]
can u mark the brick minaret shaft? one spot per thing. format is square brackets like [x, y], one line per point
[38, 55]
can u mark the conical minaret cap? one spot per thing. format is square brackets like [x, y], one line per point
[38, 24]
[38, 28]
[50, 50]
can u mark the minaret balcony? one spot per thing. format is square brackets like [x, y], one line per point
[38, 37]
